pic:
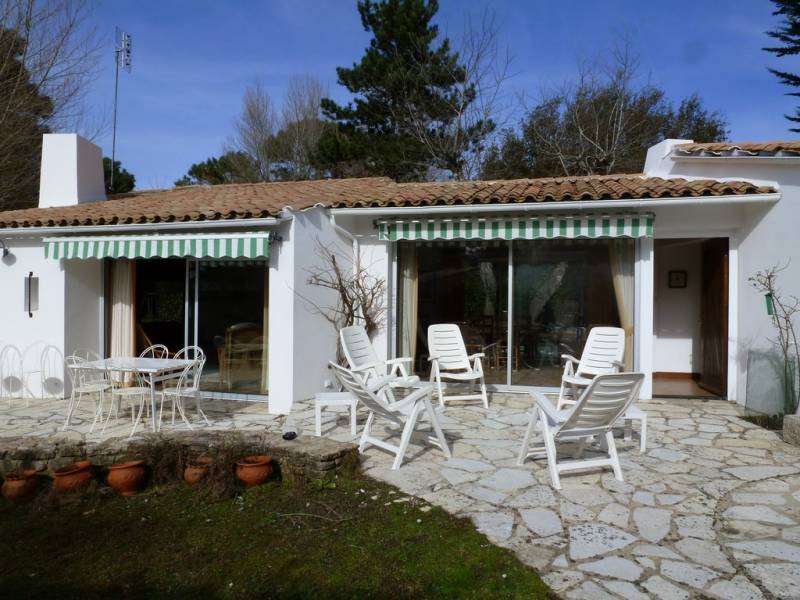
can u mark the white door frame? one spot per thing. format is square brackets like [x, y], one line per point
[646, 324]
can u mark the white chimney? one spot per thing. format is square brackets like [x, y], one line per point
[659, 161]
[72, 171]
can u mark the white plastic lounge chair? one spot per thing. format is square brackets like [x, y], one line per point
[602, 354]
[449, 361]
[403, 412]
[361, 357]
[594, 414]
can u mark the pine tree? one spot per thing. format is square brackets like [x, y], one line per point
[788, 34]
[406, 81]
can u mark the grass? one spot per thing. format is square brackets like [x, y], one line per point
[359, 539]
[771, 422]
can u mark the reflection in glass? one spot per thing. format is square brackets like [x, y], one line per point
[453, 282]
[160, 285]
[232, 320]
[563, 288]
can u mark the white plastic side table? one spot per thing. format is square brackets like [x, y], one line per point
[324, 399]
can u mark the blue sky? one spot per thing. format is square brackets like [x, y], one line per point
[193, 60]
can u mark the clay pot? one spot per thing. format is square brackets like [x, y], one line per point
[196, 470]
[18, 485]
[72, 477]
[127, 478]
[254, 470]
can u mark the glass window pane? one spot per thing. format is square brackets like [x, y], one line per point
[454, 282]
[232, 309]
[563, 288]
[160, 291]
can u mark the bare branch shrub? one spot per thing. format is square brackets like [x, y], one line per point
[359, 293]
[784, 309]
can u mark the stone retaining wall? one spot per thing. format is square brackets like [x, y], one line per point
[306, 458]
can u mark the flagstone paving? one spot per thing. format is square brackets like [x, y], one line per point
[711, 510]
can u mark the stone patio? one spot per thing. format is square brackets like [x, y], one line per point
[712, 509]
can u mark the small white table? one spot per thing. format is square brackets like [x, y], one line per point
[322, 399]
[153, 369]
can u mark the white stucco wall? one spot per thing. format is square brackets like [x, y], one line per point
[765, 235]
[46, 326]
[677, 310]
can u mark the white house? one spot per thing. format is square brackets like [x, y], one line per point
[526, 267]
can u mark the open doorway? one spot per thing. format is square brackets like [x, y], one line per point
[691, 318]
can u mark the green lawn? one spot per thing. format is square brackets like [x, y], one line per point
[269, 542]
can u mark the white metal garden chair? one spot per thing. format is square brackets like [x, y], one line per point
[12, 376]
[404, 412]
[602, 354]
[52, 372]
[137, 395]
[603, 402]
[188, 386]
[362, 358]
[449, 361]
[85, 382]
[155, 351]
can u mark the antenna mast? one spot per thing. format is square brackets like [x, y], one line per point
[122, 58]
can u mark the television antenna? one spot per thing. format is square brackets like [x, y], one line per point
[122, 58]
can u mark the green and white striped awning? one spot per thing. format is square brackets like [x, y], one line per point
[518, 228]
[228, 245]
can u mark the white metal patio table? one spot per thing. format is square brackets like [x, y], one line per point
[154, 370]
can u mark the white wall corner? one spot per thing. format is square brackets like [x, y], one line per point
[659, 161]
[72, 171]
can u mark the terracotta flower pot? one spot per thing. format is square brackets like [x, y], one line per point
[127, 478]
[18, 485]
[72, 477]
[254, 470]
[196, 470]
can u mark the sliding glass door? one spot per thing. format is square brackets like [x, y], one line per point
[559, 289]
[455, 283]
[231, 324]
[220, 305]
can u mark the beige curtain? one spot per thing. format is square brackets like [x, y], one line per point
[123, 310]
[409, 290]
[621, 258]
[265, 335]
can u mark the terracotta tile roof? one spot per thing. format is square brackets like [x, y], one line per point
[243, 201]
[790, 148]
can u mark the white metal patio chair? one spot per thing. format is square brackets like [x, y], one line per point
[137, 395]
[404, 412]
[602, 354]
[155, 351]
[188, 386]
[12, 377]
[449, 361]
[362, 358]
[594, 414]
[52, 373]
[85, 382]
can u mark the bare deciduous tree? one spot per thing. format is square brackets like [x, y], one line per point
[255, 131]
[277, 145]
[301, 126]
[48, 55]
[474, 107]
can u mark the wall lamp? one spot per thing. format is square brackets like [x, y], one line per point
[5, 251]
